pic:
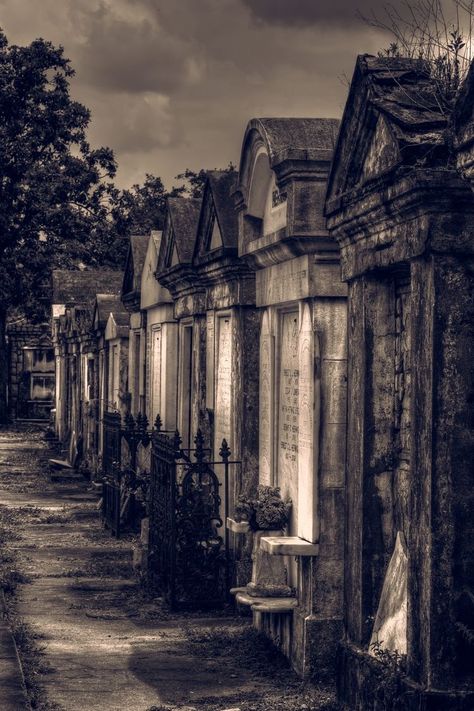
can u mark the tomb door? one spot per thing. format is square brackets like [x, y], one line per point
[266, 404]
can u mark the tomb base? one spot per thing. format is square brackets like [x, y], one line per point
[268, 572]
[314, 645]
[358, 683]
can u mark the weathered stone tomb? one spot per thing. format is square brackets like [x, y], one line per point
[404, 220]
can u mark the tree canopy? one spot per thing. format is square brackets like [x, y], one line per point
[54, 188]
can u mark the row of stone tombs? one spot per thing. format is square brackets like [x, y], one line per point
[243, 335]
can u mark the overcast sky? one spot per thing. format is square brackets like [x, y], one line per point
[172, 83]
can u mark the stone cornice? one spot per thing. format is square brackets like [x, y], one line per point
[389, 221]
[131, 300]
[180, 280]
[279, 247]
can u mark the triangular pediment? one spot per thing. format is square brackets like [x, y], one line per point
[361, 151]
[218, 226]
[162, 261]
[151, 292]
[174, 259]
[215, 240]
[111, 328]
[391, 119]
[128, 280]
[382, 152]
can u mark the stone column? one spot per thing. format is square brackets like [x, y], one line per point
[440, 578]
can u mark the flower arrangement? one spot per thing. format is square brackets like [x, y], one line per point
[267, 511]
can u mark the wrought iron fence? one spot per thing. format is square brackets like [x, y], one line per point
[112, 442]
[188, 548]
[111, 503]
[119, 505]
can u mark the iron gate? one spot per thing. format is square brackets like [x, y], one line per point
[118, 493]
[189, 552]
[112, 442]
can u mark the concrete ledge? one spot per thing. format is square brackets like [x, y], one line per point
[288, 545]
[237, 526]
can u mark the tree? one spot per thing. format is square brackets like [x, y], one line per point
[139, 209]
[55, 190]
[194, 185]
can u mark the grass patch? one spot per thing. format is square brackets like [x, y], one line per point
[242, 647]
[248, 648]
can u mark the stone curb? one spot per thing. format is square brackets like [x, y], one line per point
[13, 696]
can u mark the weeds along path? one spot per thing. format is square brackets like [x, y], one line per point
[88, 636]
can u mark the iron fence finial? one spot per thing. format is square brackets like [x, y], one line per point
[224, 451]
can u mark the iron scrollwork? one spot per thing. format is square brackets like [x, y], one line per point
[189, 551]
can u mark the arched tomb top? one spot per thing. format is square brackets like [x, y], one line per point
[281, 185]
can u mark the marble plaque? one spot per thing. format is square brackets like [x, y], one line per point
[288, 412]
[155, 373]
[223, 408]
[210, 351]
[390, 626]
[265, 404]
[308, 445]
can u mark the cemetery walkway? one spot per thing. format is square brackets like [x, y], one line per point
[88, 636]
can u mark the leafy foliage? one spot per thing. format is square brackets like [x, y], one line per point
[54, 188]
[195, 181]
[383, 684]
[264, 512]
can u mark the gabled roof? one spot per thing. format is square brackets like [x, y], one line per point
[139, 244]
[296, 138]
[291, 139]
[107, 304]
[134, 264]
[74, 287]
[391, 119]
[184, 216]
[179, 233]
[118, 324]
[218, 222]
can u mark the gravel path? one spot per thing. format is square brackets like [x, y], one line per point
[89, 638]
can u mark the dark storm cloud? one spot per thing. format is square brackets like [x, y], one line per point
[172, 83]
[135, 53]
[301, 13]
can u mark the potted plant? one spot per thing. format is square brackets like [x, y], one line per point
[264, 512]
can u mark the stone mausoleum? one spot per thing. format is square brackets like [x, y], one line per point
[404, 218]
[302, 371]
